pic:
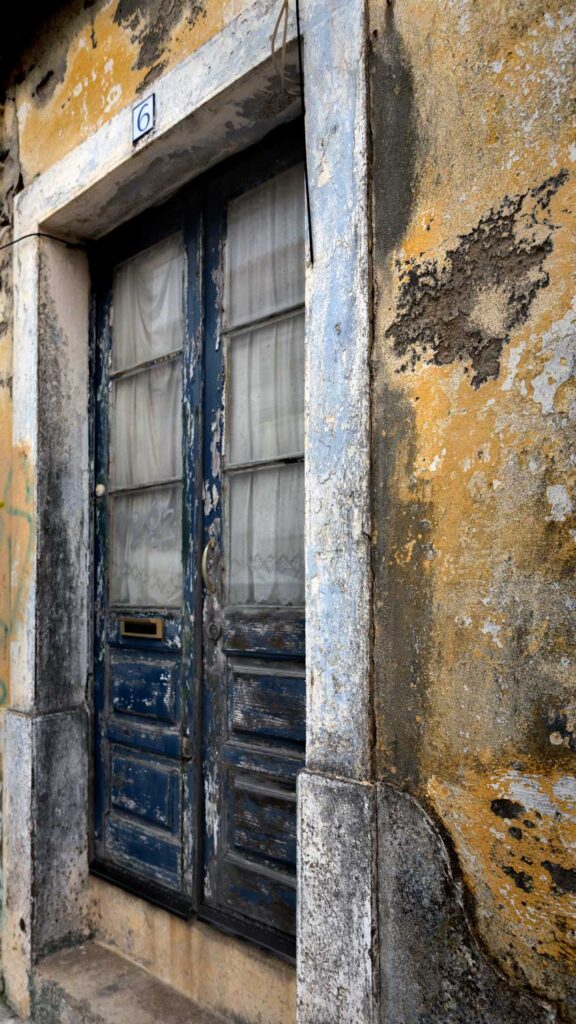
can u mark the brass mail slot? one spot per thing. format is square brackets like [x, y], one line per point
[146, 629]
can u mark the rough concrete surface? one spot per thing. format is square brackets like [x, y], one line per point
[336, 910]
[473, 485]
[433, 970]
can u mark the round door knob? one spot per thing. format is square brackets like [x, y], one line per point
[100, 490]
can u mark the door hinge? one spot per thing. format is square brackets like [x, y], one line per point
[187, 752]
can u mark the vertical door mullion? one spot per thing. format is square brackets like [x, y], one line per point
[213, 658]
[192, 460]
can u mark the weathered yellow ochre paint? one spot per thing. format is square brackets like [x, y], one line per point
[98, 65]
[490, 466]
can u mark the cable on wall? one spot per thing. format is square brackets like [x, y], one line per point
[42, 234]
[293, 88]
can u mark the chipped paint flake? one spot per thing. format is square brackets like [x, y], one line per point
[561, 504]
[559, 350]
[492, 629]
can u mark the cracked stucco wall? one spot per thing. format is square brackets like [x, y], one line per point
[473, 466]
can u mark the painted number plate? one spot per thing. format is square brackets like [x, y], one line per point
[143, 117]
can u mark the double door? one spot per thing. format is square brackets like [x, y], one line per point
[199, 547]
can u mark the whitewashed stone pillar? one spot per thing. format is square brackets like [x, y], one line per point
[337, 956]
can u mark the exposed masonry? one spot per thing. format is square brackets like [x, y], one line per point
[465, 307]
[564, 879]
[151, 28]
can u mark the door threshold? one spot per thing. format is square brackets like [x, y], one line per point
[91, 984]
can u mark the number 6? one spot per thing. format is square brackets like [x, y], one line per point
[143, 119]
[143, 116]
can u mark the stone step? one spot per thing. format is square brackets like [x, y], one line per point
[91, 984]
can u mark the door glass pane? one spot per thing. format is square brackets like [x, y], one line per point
[266, 509]
[148, 304]
[265, 249]
[267, 391]
[146, 548]
[146, 426]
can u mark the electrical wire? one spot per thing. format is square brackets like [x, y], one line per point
[303, 105]
[293, 89]
[42, 235]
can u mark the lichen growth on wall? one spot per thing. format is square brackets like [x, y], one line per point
[513, 831]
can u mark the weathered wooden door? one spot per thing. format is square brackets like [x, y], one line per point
[199, 641]
[147, 652]
[254, 695]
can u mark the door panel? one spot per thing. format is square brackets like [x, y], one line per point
[254, 694]
[149, 689]
[145, 789]
[266, 702]
[145, 779]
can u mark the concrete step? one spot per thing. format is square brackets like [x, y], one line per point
[90, 984]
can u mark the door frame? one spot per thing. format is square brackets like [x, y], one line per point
[220, 99]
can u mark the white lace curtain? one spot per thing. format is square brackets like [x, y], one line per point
[146, 428]
[265, 415]
[265, 385]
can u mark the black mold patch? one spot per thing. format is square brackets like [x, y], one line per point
[44, 83]
[466, 308]
[563, 878]
[522, 879]
[46, 87]
[507, 808]
[396, 136]
[151, 25]
[60, 544]
[154, 73]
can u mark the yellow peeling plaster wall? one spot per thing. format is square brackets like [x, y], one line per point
[474, 457]
[87, 67]
[87, 62]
